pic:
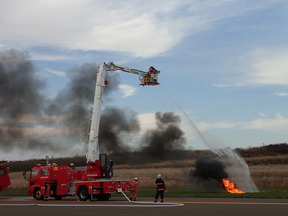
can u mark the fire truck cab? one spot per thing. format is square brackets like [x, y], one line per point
[4, 176]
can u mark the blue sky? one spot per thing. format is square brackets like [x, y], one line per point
[224, 62]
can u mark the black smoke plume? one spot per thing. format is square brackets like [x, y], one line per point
[32, 122]
[164, 141]
[20, 89]
[114, 124]
[64, 120]
[74, 101]
[79, 95]
[20, 97]
[209, 172]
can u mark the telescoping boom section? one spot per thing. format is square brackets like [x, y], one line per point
[4, 176]
[95, 180]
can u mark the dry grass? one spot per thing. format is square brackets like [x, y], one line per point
[266, 176]
[268, 160]
[174, 177]
[17, 180]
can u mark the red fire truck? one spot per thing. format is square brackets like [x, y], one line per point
[4, 176]
[91, 182]
[94, 181]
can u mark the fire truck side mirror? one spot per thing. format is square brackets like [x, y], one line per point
[111, 163]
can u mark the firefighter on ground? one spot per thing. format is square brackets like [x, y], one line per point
[133, 189]
[160, 188]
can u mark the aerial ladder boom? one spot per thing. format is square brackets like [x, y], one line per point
[146, 78]
[114, 67]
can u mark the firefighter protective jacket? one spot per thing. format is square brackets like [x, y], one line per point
[160, 185]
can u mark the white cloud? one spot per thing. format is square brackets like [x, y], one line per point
[204, 126]
[57, 73]
[127, 90]
[122, 26]
[41, 57]
[261, 114]
[272, 124]
[92, 25]
[281, 94]
[235, 84]
[270, 67]
[267, 124]
[259, 68]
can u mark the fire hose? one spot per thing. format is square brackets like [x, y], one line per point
[150, 204]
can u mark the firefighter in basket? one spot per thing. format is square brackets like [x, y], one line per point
[150, 78]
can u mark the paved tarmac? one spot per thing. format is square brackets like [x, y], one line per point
[144, 207]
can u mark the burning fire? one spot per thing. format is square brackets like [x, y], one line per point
[230, 186]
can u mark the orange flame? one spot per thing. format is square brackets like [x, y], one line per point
[230, 186]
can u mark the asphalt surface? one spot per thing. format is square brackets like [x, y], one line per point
[144, 207]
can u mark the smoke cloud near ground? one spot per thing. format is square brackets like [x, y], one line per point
[211, 169]
[208, 173]
[207, 167]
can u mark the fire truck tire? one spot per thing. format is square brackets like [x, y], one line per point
[38, 195]
[83, 194]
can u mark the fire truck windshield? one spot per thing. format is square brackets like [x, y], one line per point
[2, 172]
[34, 173]
[44, 172]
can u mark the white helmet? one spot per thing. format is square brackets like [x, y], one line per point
[136, 179]
[159, 176]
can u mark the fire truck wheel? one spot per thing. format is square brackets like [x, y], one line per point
[83, 194]
[38, 195]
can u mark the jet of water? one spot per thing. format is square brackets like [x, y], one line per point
[242, 177]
